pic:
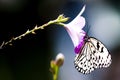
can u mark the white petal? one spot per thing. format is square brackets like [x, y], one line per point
[74, 28]
[83, 9]
[77, 24]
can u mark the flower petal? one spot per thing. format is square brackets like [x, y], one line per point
[79, 21]
[74, 28]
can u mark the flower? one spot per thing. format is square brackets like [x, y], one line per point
[74, 29]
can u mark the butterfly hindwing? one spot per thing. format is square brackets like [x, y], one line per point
[93, 55]
[102, 54]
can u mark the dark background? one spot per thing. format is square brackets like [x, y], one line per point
[28, 58]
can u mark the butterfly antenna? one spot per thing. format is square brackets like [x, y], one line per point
[88, 27]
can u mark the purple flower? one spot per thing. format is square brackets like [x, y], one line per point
[74, 29]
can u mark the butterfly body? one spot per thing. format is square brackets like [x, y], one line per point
[93, 54]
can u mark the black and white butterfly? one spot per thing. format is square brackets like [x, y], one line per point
[92, 55]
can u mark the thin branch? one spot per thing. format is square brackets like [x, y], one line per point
[58, 21]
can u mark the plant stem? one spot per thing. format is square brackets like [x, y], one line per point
[55, 76]
[58, 21]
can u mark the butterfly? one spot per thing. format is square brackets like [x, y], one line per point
[93, 54]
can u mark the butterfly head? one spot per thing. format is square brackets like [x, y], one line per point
[86, 38]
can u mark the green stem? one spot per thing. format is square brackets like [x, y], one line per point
[55, 76]
[58, 21]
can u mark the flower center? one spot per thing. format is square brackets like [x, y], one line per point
[77, 49]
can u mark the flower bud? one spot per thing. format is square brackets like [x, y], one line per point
[62, 18]
[59, 59]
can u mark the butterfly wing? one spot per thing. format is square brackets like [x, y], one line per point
[93, 55]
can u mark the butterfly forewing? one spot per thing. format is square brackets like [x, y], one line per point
[93, 55]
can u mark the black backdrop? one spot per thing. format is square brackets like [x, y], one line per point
[28, 58]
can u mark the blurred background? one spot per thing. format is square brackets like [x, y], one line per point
[29, 58]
